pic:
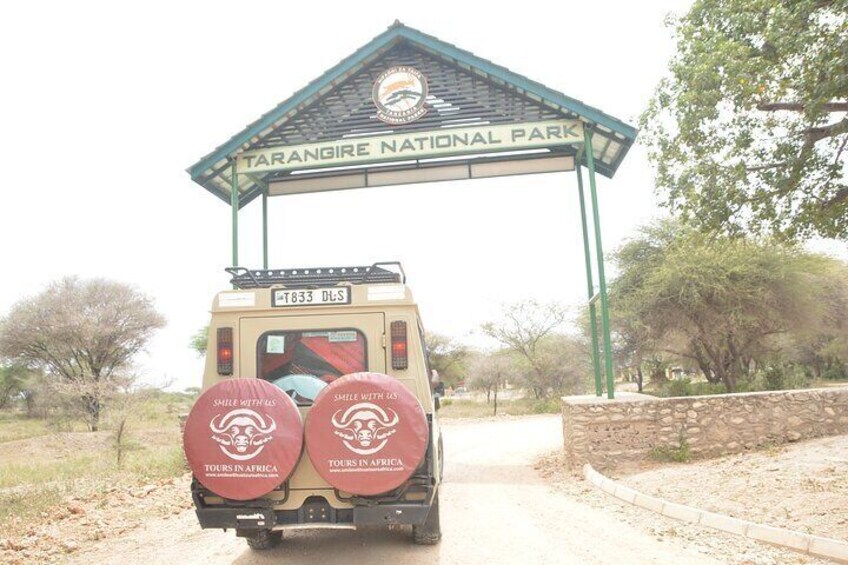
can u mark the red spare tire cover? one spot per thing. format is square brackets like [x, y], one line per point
[366, 433]
[243, 438]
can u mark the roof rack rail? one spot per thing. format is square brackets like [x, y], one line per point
[316, 277]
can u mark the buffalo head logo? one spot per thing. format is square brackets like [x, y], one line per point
[242, 433]
[365, 427]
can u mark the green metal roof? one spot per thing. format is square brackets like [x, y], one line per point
[212, 171]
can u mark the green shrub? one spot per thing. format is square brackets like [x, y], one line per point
[780, 376]
[672, 454]
[835, 372]
[547, 406]
[701, 389]
[774, 377]
[679, 387]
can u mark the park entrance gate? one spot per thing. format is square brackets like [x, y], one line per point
[410, 108]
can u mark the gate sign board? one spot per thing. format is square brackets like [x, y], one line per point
[413, 145]
[420, 108]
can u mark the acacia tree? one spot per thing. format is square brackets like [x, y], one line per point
[555, 362]
[823, 348]
[83, 334]
[725, 304]
[200, 341]
[749, 130]
[13, 383]
[448, 356]
[491, 372]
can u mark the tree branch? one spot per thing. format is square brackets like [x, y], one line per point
[758, 168]
[815, 134]
[800, 106]
[841, 149]
[838, 198]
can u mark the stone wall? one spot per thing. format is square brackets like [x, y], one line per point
[605, 432]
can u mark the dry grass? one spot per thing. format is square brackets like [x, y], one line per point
[471, 408]
[14, 426]
[40, 468]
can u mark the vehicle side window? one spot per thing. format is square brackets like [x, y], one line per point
[302, 363]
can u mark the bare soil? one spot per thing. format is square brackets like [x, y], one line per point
[496, 508]
[801, 486]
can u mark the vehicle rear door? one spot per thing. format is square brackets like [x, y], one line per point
[261, 337]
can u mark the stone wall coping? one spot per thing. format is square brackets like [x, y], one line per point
[828, 548]
[637, 397]
[619, 397]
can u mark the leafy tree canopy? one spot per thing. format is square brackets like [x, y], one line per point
[200, 341]
[448, 357]
[727, 305]
[749, 130]
[554, 362]
[83, 334]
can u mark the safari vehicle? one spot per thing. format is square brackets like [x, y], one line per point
[317, 410]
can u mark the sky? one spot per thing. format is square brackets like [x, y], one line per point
[104, 106]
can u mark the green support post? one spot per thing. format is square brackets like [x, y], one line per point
[234, 202]
[599, 250]
[593, 322]
[265, 229]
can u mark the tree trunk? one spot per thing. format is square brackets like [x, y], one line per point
[29, 401]
[731, 382]
[704, 363]
[730, 374]
[93, 408]
[709, 375]
[658, 376]
[639, 378]
[495, 411]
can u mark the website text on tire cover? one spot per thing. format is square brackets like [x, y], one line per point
[346, 344]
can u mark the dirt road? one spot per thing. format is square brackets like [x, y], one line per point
[495, 510]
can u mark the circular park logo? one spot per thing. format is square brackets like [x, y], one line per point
[399, 94]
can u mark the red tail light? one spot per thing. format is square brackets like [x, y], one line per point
[400, 359]
[225, 351]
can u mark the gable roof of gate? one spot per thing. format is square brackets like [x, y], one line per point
[517, 98]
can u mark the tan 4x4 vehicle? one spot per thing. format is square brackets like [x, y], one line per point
[317, 408]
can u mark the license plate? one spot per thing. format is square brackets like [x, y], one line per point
[311, 297]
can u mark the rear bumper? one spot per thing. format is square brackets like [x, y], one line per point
[391, 514]
[316, 514]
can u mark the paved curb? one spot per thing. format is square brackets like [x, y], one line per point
[816, 546]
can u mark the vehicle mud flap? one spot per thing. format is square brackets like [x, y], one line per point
[243, 438]
[366, 434]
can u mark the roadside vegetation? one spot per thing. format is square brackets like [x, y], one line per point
[748, 135]
[747, 131]
[74, 421]
[45, 462]
[537, 356]
[479, 408]
[708, 313]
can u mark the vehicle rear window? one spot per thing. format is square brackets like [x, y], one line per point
[304, 362]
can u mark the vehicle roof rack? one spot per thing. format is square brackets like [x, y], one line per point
[316, 277]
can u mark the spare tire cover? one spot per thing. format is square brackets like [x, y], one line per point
[366, 433]
[243, 438]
